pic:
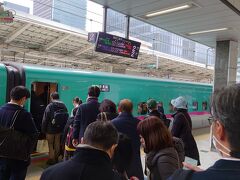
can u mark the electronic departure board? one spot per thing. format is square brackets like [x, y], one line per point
[116, 45]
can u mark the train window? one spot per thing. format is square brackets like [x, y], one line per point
[204, 106]
[142, 108]
[195, 105]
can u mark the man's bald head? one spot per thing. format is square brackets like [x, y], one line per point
[126, 105]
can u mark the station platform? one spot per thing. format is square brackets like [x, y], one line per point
[207, 157]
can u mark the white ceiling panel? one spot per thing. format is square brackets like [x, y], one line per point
[208, 14]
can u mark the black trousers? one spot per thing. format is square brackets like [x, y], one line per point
[12, 170]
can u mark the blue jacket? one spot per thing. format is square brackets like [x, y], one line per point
[86, 114]
[86, 164]
[221, 170]
[127, 124]
[24, 123]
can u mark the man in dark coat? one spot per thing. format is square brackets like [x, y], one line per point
[92, 160]
[153, 111]
[86, 114]
[182, 128]
[127, 124]
[53, 134]
[11, 168]
[225, 135]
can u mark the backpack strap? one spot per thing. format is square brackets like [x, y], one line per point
[15, 115]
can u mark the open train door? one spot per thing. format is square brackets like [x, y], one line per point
[15, 77]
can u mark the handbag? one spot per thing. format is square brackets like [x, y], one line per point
[15, 144]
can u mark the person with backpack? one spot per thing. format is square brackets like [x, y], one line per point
[153, 111]
[54, 120]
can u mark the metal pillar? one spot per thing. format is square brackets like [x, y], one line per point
[127, 27]
[104, 29]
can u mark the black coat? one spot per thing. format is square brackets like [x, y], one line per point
[24, 123]
[127, 124]
[86, 164]
[49, 114]
[182, 128]
[86, 114]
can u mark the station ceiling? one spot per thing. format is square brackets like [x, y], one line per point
[203, 15]
[30, 39]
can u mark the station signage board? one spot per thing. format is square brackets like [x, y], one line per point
[115, 45]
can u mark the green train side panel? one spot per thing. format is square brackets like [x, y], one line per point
[73, 83]
[3, 84]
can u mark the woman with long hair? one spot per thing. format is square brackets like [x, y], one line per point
[161, 157]
[108, 110]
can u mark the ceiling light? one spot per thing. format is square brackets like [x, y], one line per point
[207, 31]
[169, 10]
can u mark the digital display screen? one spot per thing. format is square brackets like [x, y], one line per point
[116, 45]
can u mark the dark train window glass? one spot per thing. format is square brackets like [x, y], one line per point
[204, 106]
[195, 105]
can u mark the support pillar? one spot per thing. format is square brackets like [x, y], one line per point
[127, 27]
[104, 29]
[225, 63]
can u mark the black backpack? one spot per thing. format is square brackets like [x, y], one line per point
[60, 117]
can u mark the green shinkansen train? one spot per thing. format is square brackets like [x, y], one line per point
[69, 83]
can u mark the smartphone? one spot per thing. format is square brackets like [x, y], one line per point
[191, 161]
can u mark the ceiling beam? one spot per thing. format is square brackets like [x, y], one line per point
[77, 53]
[16, 33]
[56, 42]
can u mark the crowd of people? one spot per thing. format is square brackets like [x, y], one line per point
[102, 140]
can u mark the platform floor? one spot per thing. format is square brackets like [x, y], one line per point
[202, 138]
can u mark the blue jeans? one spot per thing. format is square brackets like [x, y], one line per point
[10, 171]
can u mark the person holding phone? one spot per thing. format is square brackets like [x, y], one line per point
[225, 127]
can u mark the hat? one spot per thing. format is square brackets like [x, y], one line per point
[151, 103]
[179, 103]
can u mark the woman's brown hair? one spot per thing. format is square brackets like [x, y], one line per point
[155, 134]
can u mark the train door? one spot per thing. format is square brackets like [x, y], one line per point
[15, 77]
[40, 98]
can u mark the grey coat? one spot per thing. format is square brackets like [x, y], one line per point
[162, 164]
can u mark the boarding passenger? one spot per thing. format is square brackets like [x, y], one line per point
[127, 124]
[76, 102]
[225, 127]
[11, 168]
[162, 158]
[86, 114]
[54, 120]
[108, 110]
[92, 160]
[67, 138]
[153, 111]
[182, 128]
[160, 107]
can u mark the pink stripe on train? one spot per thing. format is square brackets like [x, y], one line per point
[190, 113]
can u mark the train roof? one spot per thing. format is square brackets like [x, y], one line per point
[107, 74]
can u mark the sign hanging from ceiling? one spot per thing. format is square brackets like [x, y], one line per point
[115, 45]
